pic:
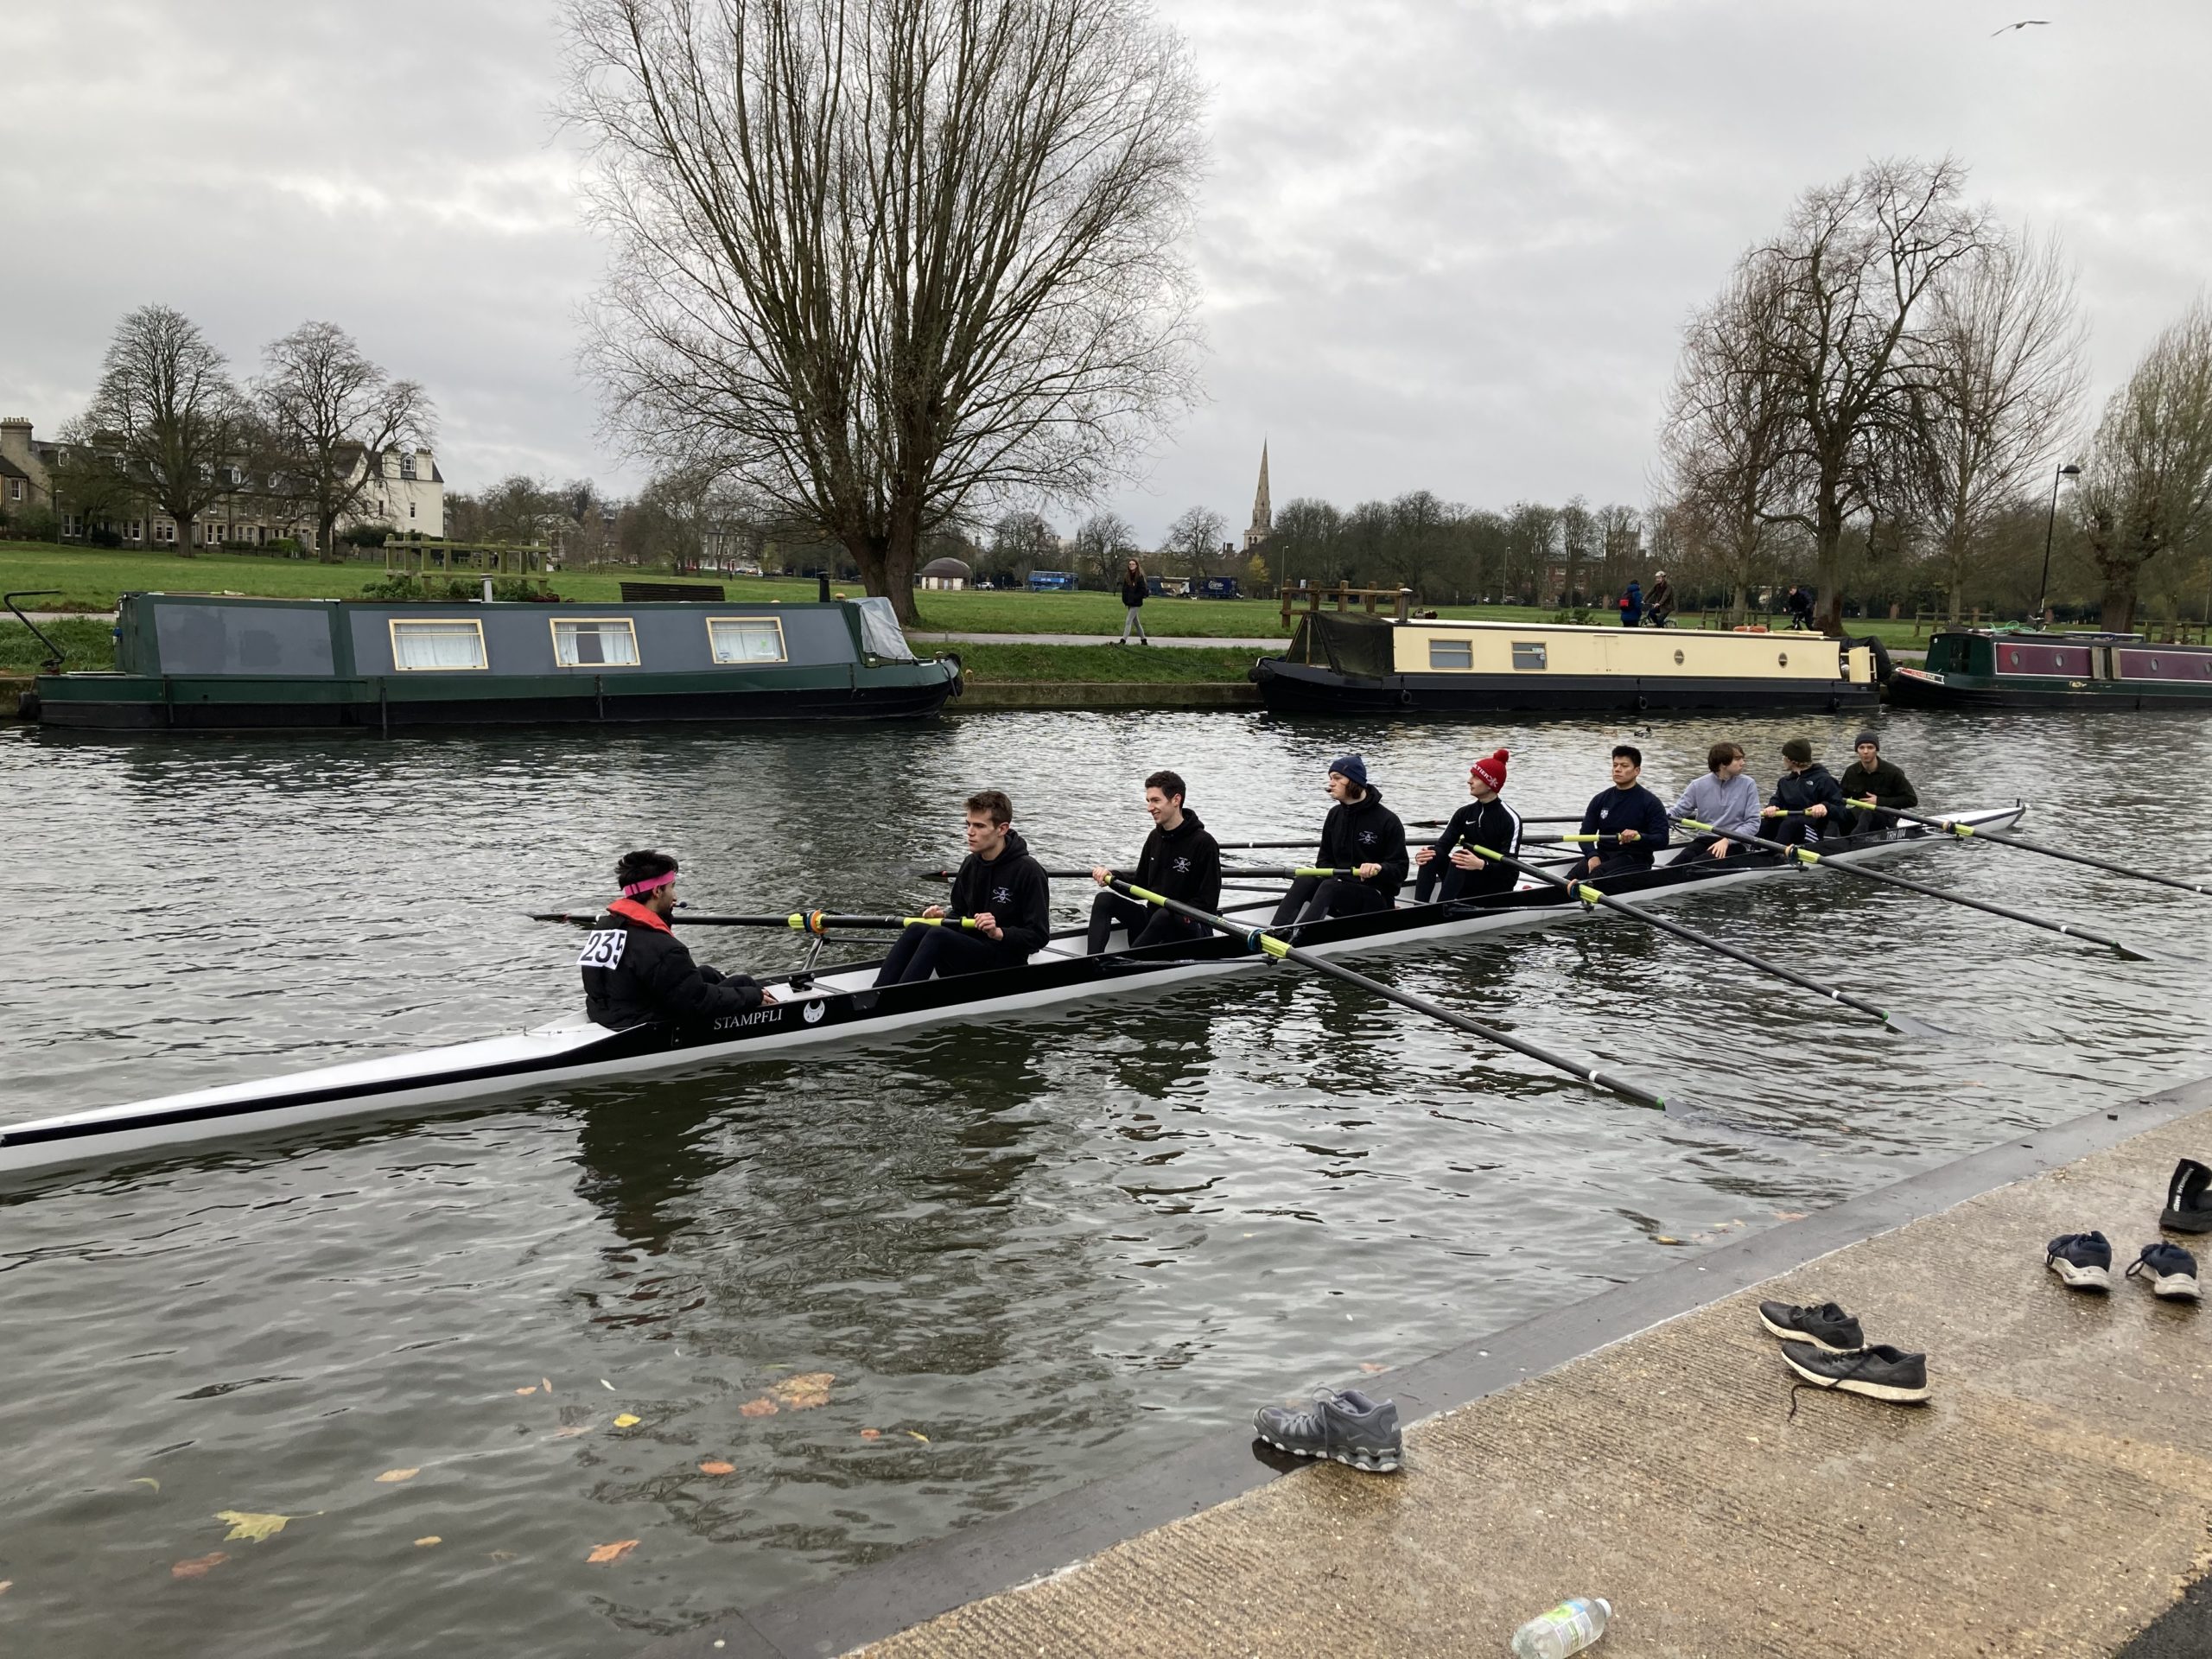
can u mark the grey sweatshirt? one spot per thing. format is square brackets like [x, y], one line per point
[1732, 805]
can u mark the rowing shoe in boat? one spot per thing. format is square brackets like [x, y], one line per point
[835, 1004]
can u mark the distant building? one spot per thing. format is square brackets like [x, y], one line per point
[400, 487]
[948, 574]
[1263, 517]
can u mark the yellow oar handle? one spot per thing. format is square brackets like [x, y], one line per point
[1586, 893]
[1582, 838]
[1798, 853]
[1316, 870]
[1267, 942]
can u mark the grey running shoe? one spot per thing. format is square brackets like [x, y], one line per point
[2082, 1260]
[1826, 1326]
[2169, 1271]
[1347, 1426]
[1880, 1372]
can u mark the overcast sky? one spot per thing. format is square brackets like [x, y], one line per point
[1441, 245]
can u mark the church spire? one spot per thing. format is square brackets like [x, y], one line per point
[1262, 513]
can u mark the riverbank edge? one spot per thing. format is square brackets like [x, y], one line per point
[1058, 1534]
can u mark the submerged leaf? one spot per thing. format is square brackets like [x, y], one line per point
[605, 1553]
[804, 1392]
[545, 1384]
[916, 1434]
[716, 1466]
[244, 1523]
[198, 1567]
[763, 1406]
[146, 1480]
[532, 1388]
[571, 1431]
[426, 1543]
[502, 1555]
[628, 1420]
[393, 1477]
[871, 1434]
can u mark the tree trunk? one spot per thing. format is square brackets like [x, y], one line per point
[184, 523]
[2116, 606]
[1828, 571]
[326, 536]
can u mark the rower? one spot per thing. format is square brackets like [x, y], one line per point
[1871, 777]
[1807, 803]
[1629, 815]
[1725, 798]
[1180, 861]
[1451, 868]
[999, 888]
[637, 972]
[1358, 828]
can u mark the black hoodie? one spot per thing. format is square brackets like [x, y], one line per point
[1011, 888]
[1812, 787]
[1365, 832]
[1184, 863]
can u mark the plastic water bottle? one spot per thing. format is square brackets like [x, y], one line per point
[1568, 1628]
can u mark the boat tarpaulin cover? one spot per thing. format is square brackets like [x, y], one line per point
[880, 631]
[1347, 643]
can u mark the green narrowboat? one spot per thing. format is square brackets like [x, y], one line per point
[202, 662]
[1970, 668]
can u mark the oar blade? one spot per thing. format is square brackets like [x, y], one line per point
[1906, 1025]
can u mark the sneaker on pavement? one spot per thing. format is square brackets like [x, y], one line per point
[2169, 1271]
[2082, 1260]
[1826, 1326]
[1348, 1427]
[1880, 1372]
[2188, 1198]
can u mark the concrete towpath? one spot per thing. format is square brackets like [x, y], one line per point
[2053, 1498]
[926, 637]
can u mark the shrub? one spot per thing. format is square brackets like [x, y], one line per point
[367, 535]
[105, 537]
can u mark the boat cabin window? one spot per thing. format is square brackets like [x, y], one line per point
[595, 642]
[447, 643]
[747, 639]
[1528, 653]
[1451, 653]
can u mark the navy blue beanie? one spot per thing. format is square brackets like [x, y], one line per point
[1351, 767]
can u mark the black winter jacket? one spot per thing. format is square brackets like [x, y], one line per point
[1814, 787]
[1365, 832]
[1134, 590]
[1888, 786]
[1488, 823]
[1011, 889]
[636, 974]
[1185, 865]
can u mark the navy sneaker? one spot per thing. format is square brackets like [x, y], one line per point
[2188, 1198]
[1827, 1326]
[2169, 1271]
[1880, 1372]
[1348, 1427]
[2082, 1260]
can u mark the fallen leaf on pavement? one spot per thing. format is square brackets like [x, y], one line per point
[628, 1420]
[393, 1477]
[571, 1431]
[763, 1406]
[246, 1524]
[716, 1466]
[1789, 1214]
[1665, 1238]
[200, 1565]
[425, 1543]
[1371, 1367]
[606, 1553]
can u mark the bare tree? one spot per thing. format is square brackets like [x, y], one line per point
[329, 414]
[166, 405]
[1194, 541]
[2000, 380]
[91, 480]
[1104, 542]
[1302, 543]
[881, 258]
[1853, 271]
[1022, 542]
[2147, 488]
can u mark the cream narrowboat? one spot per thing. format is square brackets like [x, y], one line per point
[1356, 665]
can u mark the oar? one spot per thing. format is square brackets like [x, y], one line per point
[1903, 1023]
[1805, 856]
[808, 921]
[2005, 838]
[1438, 824]
[1283, 950]
[1227, 874]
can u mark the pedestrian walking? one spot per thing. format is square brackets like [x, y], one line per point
[1633, 605]
[1134, 590]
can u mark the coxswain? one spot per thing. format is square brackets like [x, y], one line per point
[637, 972]
[999, 912]
[1725, 798]
[1450, 869]
[1871, 778]
[1628, 816]
[1180, 861]
[1360, 835]
[1807, 803]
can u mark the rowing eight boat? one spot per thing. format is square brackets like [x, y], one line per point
[840, 1004]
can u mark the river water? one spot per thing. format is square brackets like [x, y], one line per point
[1026, 1254]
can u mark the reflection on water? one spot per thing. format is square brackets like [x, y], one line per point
[1030, 1253]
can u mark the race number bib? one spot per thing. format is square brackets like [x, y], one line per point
[604, 948]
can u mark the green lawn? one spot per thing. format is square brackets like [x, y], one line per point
[89, 643]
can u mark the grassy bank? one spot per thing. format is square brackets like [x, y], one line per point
[84, 643]
[1103, 664]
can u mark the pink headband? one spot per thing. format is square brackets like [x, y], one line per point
[640, 889]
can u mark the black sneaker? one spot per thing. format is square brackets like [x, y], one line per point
[2188, 1198]
[1880, 1372]
[1827, 1326]
[1348, 1427]
[2169, 1271]
[2082, 1260]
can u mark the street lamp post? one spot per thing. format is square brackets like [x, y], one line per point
[2051, 523]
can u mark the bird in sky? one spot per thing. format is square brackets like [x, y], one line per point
[2025, 23]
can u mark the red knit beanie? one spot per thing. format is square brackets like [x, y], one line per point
[1491, 769]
